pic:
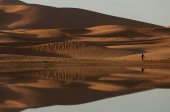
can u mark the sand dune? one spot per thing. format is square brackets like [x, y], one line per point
[12, 2]
[117, 31]
[114, 33]
[40, 35]
[28, 32]
[26, 16]
[154, 31]
[131, 30]
[83, 50]
[100, 42]
[4, 38]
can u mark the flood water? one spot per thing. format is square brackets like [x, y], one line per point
[84, 88]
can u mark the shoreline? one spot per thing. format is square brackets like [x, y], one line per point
[86, 63]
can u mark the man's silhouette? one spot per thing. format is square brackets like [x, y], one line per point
[142, 69]
[142, 56]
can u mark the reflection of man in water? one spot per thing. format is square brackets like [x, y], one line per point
[142, 69]
[142, 56]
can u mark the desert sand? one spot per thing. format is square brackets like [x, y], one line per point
[68, 56]
[35, 33]
[107, 43]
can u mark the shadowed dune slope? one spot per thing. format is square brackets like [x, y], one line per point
[35, 35]
[44, 17]
[11, 2]
[26, 52]
[4, 38]
[7, 18]
[84, 50]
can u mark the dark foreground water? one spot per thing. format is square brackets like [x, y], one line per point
[84, 89]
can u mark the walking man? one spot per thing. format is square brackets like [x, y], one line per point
[142, 56]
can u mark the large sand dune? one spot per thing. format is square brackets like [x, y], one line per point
[109, 42]
[12, 2]
[30, 32]
[16, 14]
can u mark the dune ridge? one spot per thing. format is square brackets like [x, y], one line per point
[117, 31]
[147, 31]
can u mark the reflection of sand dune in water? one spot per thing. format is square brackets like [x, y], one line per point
[88, 73]
[22, 98]
[32, 89]
[70, 73]
[70, 85]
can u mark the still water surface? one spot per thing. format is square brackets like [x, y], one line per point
[157, 100]
[85, 89]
